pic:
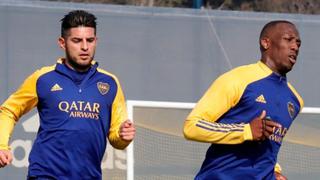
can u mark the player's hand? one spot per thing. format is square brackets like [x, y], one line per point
[262, 128]
[5, 158]
[127, 130]
[280, 176]
[268, 126]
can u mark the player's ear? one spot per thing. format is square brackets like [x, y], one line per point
[265, 43]
[62, 43]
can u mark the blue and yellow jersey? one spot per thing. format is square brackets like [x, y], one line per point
[222, 117]
[75, 120]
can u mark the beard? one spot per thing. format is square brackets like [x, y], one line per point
[78, 66]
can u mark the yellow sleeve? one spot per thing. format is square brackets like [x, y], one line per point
[277, 168]
[118, 116]
[201, 123]
[297, 95]
[19, 103]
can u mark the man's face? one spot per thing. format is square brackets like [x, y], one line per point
[79, 45]
[284, 47]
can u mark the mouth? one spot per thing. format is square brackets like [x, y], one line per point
[293, 59]
[84, 56]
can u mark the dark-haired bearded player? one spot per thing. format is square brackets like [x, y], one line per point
[79, 104]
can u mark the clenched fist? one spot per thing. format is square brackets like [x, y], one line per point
[5, 158]
[262, 128]
[127, 130]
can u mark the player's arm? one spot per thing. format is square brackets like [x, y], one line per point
[7, 122]
[122, 130]
[201, 123]
[19, 103]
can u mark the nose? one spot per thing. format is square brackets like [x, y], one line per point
[295, 47]
[84, 45]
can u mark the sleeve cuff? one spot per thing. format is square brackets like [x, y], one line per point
[4, 147]
[247, 133]
[277, 168]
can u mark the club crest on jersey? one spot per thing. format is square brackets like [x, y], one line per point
[103, 87]
[291, 109]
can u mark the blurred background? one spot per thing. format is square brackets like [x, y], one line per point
[283, 6]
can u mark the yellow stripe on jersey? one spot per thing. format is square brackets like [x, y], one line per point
[19, 103]
[297, 95]
[277, 168]
[222, 95]
[7, 123]
[118, 115]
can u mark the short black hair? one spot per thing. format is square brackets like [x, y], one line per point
[270, 25]
[77, 18]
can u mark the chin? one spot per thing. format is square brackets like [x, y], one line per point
[84, 66]
[287, 67]
[285, 71]
[85, 63]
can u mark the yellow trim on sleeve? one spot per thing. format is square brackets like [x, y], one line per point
[18, 104]
[218, 133]
[247, 133]
[118, 116]
[297, 95]
[7, 124]
[221, 96]
[277, 168]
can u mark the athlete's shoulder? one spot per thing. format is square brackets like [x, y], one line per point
[295, 92]
[247, 73]
[46, 69]
[41, 71]
[107, 73]
[250, 69]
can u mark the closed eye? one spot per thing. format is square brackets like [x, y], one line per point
[90, 40]
[76, 40]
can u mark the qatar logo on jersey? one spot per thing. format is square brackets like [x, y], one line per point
[278, 134]
[80, 109]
